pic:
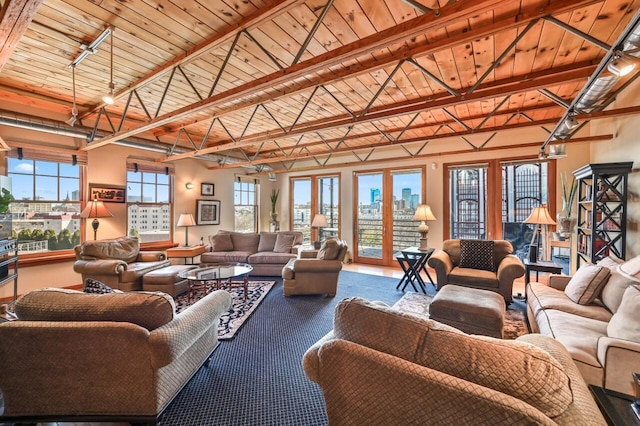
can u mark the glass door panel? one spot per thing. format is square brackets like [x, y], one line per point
[369, 225]
[468, 202]
[301, 190]
[407, 187]
[328, 205]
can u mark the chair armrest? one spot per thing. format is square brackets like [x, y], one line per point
[442, 264]
[308, 254]
[619, 358]
[316, 265]
[100, 266]
[559, 282]
[344, 369]
[171, 340]
[151, 256]
[510, 268]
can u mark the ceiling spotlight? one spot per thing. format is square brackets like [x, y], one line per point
[542, 155]
[272, 177]
[570, 122]
[109, 99]
[621, 65]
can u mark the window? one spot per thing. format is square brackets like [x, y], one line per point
[45, 213]
[301, 202]
[315, 195]
[245, 205]
[468, 197]
[149, 206]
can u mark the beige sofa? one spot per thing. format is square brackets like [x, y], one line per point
[315, 273]
[381, 366]
[603, 358]
[450, 269]
[267, 252]
[122, 357]
[119, 263]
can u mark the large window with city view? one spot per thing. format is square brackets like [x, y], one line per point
[312, 195]
[386, 202]
[523, 184]
[245, 191]
[45, 213]
[149, 206]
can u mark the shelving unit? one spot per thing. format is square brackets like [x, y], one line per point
[602, 211]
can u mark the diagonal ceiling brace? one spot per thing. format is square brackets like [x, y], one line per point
[315, 89]
[313, 31]
[555, 98]
[492, 113]
[224, 64]
[383, 133]
[456, 119]
[273, 118]
[164, 93]
[493, 135]
[602, 45]
[125, 111]
[405, 128]
[195, 90]
[382, 88]
[338, 101]
[502, 55]
[469, 143]
[144, 108]
[253, 114]
[265, 51]
[362, 160]
[428, 73]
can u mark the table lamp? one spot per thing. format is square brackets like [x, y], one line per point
[186, 220]
[539, 216]
[95, 210]
[423, 213]
[319, 221]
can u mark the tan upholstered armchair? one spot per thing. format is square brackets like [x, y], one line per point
[316, 275]
[474, 266]
[119, 263]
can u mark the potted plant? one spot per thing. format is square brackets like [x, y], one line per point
[274, 216]
[565, 218]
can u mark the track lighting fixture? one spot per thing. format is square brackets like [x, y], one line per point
[570, 122]
[620, 65]
[109, 99]
[74, 110]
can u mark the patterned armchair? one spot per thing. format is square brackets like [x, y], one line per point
[483, 264]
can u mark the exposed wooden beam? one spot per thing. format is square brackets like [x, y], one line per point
[15, 17]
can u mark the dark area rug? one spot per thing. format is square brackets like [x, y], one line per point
[240, 310]
[515, 322]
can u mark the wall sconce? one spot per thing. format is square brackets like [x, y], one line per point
[189, 186]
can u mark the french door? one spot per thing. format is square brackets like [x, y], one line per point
[384, 204]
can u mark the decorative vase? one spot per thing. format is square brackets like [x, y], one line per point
[275, 225]
[566, 224]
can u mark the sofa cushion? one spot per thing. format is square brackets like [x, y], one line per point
[585, 285]
[541, 296]
[478, 278]
[146, 309]
[329, 249]
[284, 243]
[511, 367]
[611, 294]
[270, 258]
[477, 254]
[267, 241]
[625, 323]
[123, 248]
[221, 242]
[245, 241]
[136, 270]
[225, 256]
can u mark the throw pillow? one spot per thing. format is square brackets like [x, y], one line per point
[96, 287]
[611, 294]
[267, 241]
[585, 285]
[329, 249]
[284, 243]
[477, 254]
[625, 323]
[221, 242]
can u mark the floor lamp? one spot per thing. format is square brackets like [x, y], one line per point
[423, 213]
[539, 216]
[95, 210]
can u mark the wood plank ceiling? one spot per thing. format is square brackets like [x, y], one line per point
[279, 84]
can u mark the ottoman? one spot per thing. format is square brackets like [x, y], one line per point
[166, 280]
[471, 310]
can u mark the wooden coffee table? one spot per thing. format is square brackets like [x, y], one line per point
[214, 277]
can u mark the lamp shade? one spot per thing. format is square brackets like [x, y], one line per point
[631, 269]
[423, 212]
[186, 219]
[540, 216]
[319, 221]
[95, 209]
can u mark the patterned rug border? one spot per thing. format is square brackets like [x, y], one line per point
[418, 304]
[240, 310]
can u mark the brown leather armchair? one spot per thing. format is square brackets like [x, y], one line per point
[508, 267]
[119, 263]
[316, 275]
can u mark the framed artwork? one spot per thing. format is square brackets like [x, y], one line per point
[107, 193]
[206, 188]
[208, 212]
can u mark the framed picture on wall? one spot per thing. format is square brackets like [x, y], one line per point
[107, 193]
[208, 212]
[207, 189]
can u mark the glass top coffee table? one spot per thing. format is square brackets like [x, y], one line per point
[210, 277]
